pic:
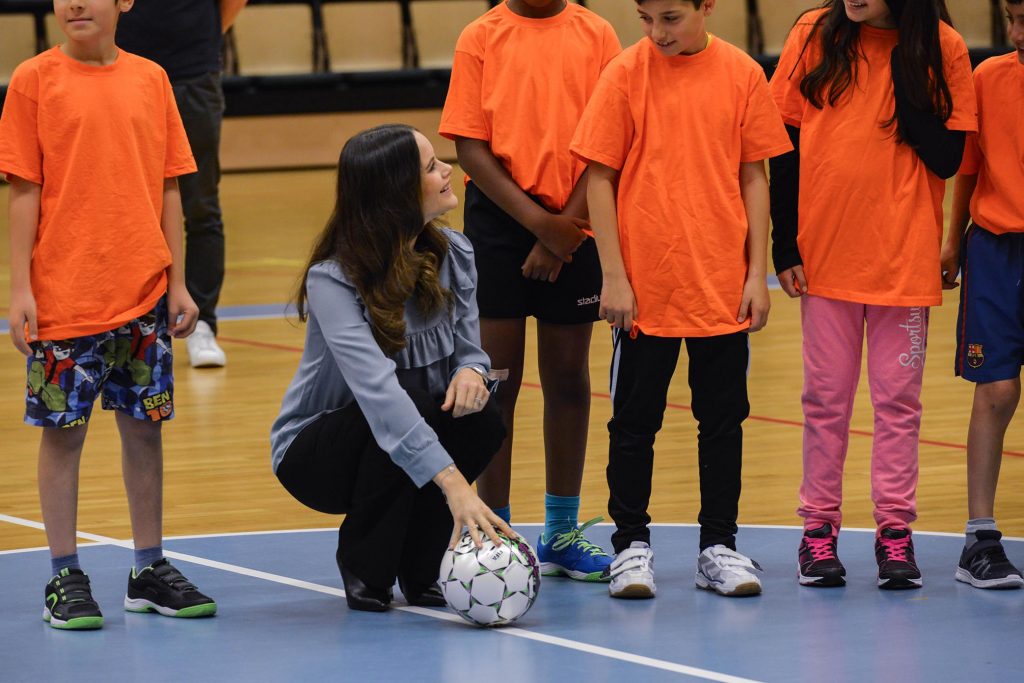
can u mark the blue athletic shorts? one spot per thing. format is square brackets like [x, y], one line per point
[130, 367]
[990, 324]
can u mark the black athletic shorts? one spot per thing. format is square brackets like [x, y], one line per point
[501, 246]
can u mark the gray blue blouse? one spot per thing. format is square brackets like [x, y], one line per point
[341, 363]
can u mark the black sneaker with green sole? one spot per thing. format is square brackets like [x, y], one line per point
[162, 588]
[69, 604]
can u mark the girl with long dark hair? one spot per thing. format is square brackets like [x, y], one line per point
[387, 419]
[877, 95]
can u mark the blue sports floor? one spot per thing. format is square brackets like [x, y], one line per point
[282, 617]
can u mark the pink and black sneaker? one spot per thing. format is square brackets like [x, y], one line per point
[817, 563]
[894, 552]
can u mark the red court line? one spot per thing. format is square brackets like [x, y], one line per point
[674, 406]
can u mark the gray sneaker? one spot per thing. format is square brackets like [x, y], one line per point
[726, 572]
[632, 572]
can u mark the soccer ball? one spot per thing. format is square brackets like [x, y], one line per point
[492, 586]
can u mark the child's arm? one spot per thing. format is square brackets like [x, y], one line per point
[561, 234]
[754, 188]
[784, 191]
[963, 190]
[179, 302]
[941, 150]
[229, 11]
[541, 263]
[577, 204]
[24, 217]
[618, 304]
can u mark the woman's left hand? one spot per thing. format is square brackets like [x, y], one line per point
[467, 394]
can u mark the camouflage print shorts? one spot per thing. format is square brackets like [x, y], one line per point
[130, 367]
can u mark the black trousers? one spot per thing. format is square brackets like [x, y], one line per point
[391, 527]
[640, 374]
[201, 104]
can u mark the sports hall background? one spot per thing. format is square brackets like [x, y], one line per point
[303, 75]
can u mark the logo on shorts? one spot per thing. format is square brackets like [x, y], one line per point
[587, 300]
[975, 355]
[158, 407]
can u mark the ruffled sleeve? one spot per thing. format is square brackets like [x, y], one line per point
[426, 347]
[395, 422]
[467, 351]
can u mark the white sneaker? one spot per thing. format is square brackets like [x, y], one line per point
[632, 572]
[203, 351]
[727, 572]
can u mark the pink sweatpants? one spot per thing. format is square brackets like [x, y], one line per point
[833, 336]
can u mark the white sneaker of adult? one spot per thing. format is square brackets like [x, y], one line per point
[203, 350]
[727, 572]
[632, 572]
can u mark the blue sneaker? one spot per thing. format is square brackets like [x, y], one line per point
[572, 555]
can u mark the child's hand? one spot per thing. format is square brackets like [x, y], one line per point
[21, 312]
[467, 393]
[541, 264]
[618, 305]
[562, 235]
[949, 259]
[793, 281]
[755, 303]
[182, 312]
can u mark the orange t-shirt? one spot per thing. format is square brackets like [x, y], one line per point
[521, 84]
[870, 211]
[996, 154]
[677, 129]
[100, 140]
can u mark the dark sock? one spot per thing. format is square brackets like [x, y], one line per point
[147, 556]
[64, 562]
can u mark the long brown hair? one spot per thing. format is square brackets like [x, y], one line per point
[920, 55]
[376, 233]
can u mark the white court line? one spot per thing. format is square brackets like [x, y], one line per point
[229, 534]
[627, 657]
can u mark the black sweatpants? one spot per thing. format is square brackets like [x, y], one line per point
[640, 374]
[200, 101]
[391, 527]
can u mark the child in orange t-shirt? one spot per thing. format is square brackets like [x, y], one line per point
[522, 74]
[97, 289]
[878, 126]
[990, 328]
[675, 137]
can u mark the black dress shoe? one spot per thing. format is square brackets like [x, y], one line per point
[361, 597]
[420, 595]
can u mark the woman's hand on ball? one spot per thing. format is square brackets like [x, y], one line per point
[469, 511]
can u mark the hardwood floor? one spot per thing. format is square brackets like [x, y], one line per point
[217, 464]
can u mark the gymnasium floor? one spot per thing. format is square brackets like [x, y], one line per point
[282, 619]
[289, 622]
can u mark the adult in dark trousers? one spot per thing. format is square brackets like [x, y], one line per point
[387, 419]
[185, 37]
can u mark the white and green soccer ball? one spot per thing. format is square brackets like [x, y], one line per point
[492, 586]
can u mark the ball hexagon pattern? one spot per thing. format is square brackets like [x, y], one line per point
[492, 586]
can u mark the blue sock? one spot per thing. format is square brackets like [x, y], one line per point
[147, 556]
[505, 513]
[65, 562]
[560, 514]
